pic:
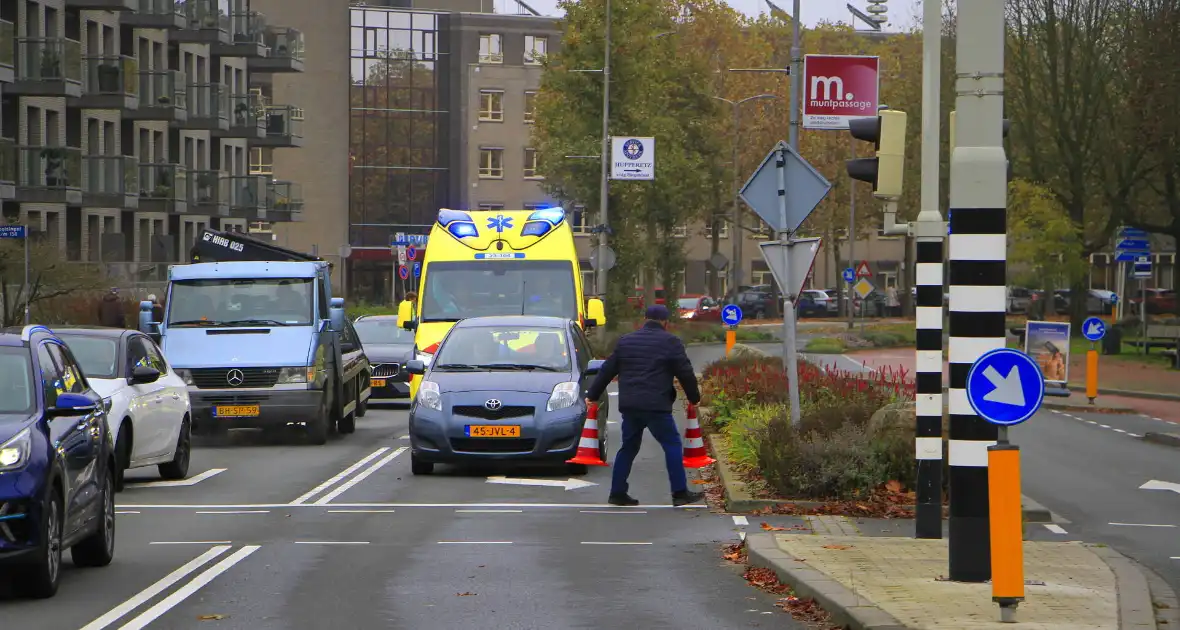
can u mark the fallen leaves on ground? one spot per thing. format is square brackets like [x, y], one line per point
[465, 594]
[881, 503]
[838, 547]
[210, 617]
[893, 486]
[806, 610]
[771, 528]
[700, 482]
[766, 580]
[735, 553]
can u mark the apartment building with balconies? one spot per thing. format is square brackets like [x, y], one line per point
[126, 126]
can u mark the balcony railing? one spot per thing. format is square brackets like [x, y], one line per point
[208, 100]
[49, 59]
[207, 188]
[9, 160]
[205, 15]
[284, 121]
[163, 88]
[110, 175]
[285, 197]
[285, 43]
[248, 27]
[50, 167]
[161, 7]
[247, 192]
[163, 181]
[111, 75]
[248, 111]
[7, 44]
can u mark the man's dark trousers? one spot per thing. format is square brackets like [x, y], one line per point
[663, 428]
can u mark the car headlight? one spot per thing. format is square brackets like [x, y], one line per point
[424, 358]
[564, 395]
[185, 376]
[290, 375]
[15, 452]
[429, 396]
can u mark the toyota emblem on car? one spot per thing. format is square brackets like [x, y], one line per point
[492, 404]
[235, 377]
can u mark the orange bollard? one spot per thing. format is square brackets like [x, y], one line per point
[588, 445]
[730, 339]
[1092, 375]
[695, 455]
[1007, 527]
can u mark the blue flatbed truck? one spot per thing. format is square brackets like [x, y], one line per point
[255, 333]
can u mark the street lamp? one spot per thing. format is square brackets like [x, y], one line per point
[737, 236]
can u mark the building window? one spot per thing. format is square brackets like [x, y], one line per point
[491, 105]
[491, 206]
[534, 49]
[530, 107]
[761, 277]
[491, 163]
[260, 162]
[722, 233]
[680, 231]
[491, 49]
[532, 164]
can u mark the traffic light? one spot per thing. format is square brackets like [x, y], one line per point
[885, 171]
[1007, 125]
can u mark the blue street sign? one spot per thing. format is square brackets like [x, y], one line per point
[1134, 245]
[1005, 387]
[417, 270]
[1093, 329]
[1141, 269]
[849, 275]
[731, 314]
[12, 231]
[1114, 298]
[1126, 256]
[1130, 232]
[805, 187]
[411, 252]
[403, 272]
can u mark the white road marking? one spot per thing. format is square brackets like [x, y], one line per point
[742, 535]
[616, 511]
[191, 481]
[186, 591]
[1138, 525]
[150, 592]
[614, 543]
[360, 511]
[191, 542]
[1175, 558]
[127, 512]
[404, 437]
[741, 520]
[1104, 426]
[346, 486]
[568, 484]
[239, 506]
[475, 542]
[1119, 431]
[233, 512]
[1056, 529]
[1135, 435]
[331, 542]
[486, 511]
[1091, 422]
[340, 475]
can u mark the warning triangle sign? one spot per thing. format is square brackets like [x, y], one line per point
[863, 271]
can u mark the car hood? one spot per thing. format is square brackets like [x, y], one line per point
[388, 352]
[106, 387]
[278, 346]
[533, 382]
[13, 423]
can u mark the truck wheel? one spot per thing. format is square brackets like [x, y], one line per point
[317, 427]
[346, 422]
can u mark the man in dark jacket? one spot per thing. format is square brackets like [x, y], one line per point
[110, 310]
[646, 361]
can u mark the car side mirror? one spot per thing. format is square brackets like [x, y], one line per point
[336, 314]
[146, 325]
[142, 375]
[405, 315]
[416, 367]
[595, 312]
[594, 367]
[69, 404]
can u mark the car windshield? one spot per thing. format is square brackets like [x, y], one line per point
[504, 348]
[689, 303]
[241, 302]
[16, 381]
[98, 356]
[458, 290]
[382, 331]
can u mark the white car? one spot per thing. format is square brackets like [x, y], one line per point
[147, 404]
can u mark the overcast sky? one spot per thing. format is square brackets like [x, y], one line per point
[814, 11]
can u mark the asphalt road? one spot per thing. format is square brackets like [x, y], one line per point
[287, 535]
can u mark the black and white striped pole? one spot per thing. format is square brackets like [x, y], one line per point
[978, 273]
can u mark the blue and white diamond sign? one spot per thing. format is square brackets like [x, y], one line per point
[731, 314]
[1093, 329]
[1005, 387]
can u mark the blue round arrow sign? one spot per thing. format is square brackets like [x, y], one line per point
[731, 314]
[1005, 387]
[1093, 329]
[849, 275]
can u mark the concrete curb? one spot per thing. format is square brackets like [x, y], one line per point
[845, 606]
[1128, 393]
[738, 499]
[1164, 439]
[1134, 595]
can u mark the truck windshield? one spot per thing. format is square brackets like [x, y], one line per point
[458, 290]
[241, 302]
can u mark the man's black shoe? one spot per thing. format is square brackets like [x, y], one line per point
[622, 499]
[685, 497]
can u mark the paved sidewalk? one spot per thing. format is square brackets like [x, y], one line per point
[897, 583]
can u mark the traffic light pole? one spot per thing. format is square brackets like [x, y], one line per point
[978, 273]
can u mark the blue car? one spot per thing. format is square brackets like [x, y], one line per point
[57, 463]
[504, 388]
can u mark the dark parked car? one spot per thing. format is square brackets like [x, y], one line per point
[756, 304]
[504, 388]
[57, 463]
[388, 347]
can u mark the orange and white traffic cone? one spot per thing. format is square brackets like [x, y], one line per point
[588, 445]
[695, 455]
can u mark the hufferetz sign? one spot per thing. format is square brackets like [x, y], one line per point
[837, 88]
